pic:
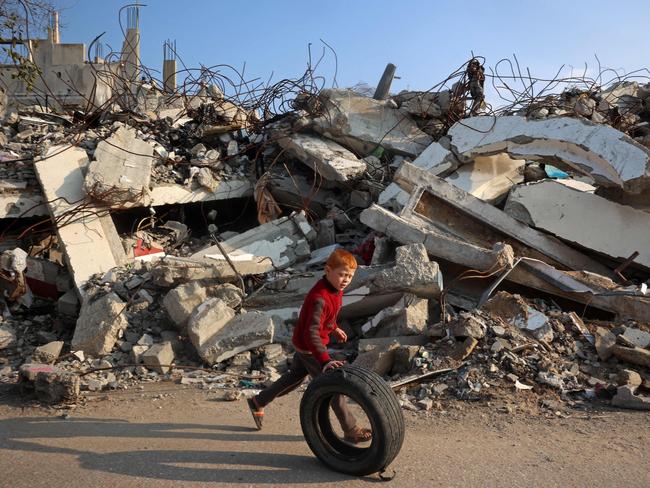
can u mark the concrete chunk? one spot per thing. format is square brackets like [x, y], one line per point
[408, 317]
[50, 383]
[122, 168]
[610, 157]
[276, 244]
[206, 321]
[413, 272]
[327, 158]
[634, 355]
[362, 124]
[48, 353]
[638, 337]
[7, 336]
[181, 301]
[586, 219]
[625, 398]
[241, 333]
[98, 325]
[159, 357]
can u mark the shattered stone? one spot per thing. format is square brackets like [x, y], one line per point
[468, 325]
[159, 357]
[49, 353]
[625, 398]
[413, 272]
[362, 124]
[379, 359]
[605, 342]
[463, 349]
[206, 321]
[634, 355]
[99, 324]
[7, 336]
[181, 301]
[241, 333]
[637, 337]
[50, 383]
[409, 316]
[122, 168]
[630, 378]
[327, 158]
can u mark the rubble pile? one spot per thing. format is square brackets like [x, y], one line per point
[503, 256]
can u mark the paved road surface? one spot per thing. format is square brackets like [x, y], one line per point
[188, 438]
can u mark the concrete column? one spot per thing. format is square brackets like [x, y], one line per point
[386, 80]
[131, 54]
[169, 75]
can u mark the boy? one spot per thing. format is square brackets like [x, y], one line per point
[316, 322]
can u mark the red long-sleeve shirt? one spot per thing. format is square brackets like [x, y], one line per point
[317, 320]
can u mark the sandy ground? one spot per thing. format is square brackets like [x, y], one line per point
[170, 436]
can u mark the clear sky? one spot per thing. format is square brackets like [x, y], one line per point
[427, 40]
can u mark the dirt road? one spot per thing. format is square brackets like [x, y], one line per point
[167, 436]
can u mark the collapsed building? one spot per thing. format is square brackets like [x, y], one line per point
[501, 254]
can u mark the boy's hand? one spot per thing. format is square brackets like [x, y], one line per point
[340, 335]
[332, 365]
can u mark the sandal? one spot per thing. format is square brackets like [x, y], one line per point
[357, 435]
[256, 412]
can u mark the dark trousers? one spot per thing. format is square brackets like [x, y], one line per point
[301, 366]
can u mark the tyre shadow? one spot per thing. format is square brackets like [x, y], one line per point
[258, 468]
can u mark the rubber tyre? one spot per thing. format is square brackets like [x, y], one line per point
[381, 407]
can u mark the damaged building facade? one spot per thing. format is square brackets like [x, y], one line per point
[175, 238]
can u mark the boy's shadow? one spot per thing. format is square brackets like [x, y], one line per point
[220, 466]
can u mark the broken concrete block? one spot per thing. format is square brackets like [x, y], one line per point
[229, 293]
[274, 245]
[380, 360]
[363, 123]
[242, 333]
[137, 352]
[629, 378]
[404, 356]
[7, 336]
[464, 349]
[637, 337]
[50, 383]
[98, 325]
[68, 303]
[421, 104]
[181, 301]
[605, 342]
[360, 199]
[600, 151]
[489, 178]
[625, 398]
[121, 171]
[48, 353]
[413, 272]
[91, 243]
[634, 355]
[577, 216]
[206, 321]
[409, 316]
[327, 158]
[159, 357]
[468, 325]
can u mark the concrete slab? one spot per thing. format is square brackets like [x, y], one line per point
[19, 202]
[122, 168]
[276, 244]
[610, 157]
[326, 157]
[459, 214]
[583, 218]
[362, 124]
[90, 240]
[489, 178]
